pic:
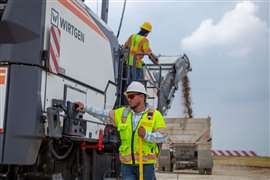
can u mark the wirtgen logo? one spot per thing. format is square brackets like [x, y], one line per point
[57, 21]
[54, 17]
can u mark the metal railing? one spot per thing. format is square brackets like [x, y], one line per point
[156, 75]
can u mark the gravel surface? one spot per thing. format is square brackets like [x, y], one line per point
[220, 172]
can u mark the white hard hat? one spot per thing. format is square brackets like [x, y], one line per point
[136, 86]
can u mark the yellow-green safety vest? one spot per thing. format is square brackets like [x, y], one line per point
[129, 148]
[137, 44]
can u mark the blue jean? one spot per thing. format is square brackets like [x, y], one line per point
[131, 172]
[138, 73]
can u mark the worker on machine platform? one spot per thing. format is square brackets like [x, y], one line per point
[138, 46]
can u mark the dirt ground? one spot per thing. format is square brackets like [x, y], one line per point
[220, 172]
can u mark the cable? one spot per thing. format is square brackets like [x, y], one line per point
[67, 147]
[122, 16]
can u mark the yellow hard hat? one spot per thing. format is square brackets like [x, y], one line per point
[146, 26]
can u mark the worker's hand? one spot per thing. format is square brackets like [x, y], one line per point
[154, 58]
[111, 118]
[157, 60]
[141, 132]
[79, 106]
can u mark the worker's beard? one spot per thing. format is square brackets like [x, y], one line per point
[134, 106]
[137, 107]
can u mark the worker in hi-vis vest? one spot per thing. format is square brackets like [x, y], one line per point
[138, 44]
[135, 122]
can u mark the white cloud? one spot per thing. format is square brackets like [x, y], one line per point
[238, 32]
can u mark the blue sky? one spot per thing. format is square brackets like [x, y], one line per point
[228, 45]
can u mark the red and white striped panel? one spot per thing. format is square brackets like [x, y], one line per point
[232, 153]
[55, 37]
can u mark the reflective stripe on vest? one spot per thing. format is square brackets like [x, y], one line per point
[124, 115]
[146, 158]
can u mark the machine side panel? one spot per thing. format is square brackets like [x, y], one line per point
[22, 27]
[85, 51]
[64, 89]
[111, 37]
[23, 127]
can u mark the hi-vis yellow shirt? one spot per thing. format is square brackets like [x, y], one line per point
[137, 44]
[129, 148]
